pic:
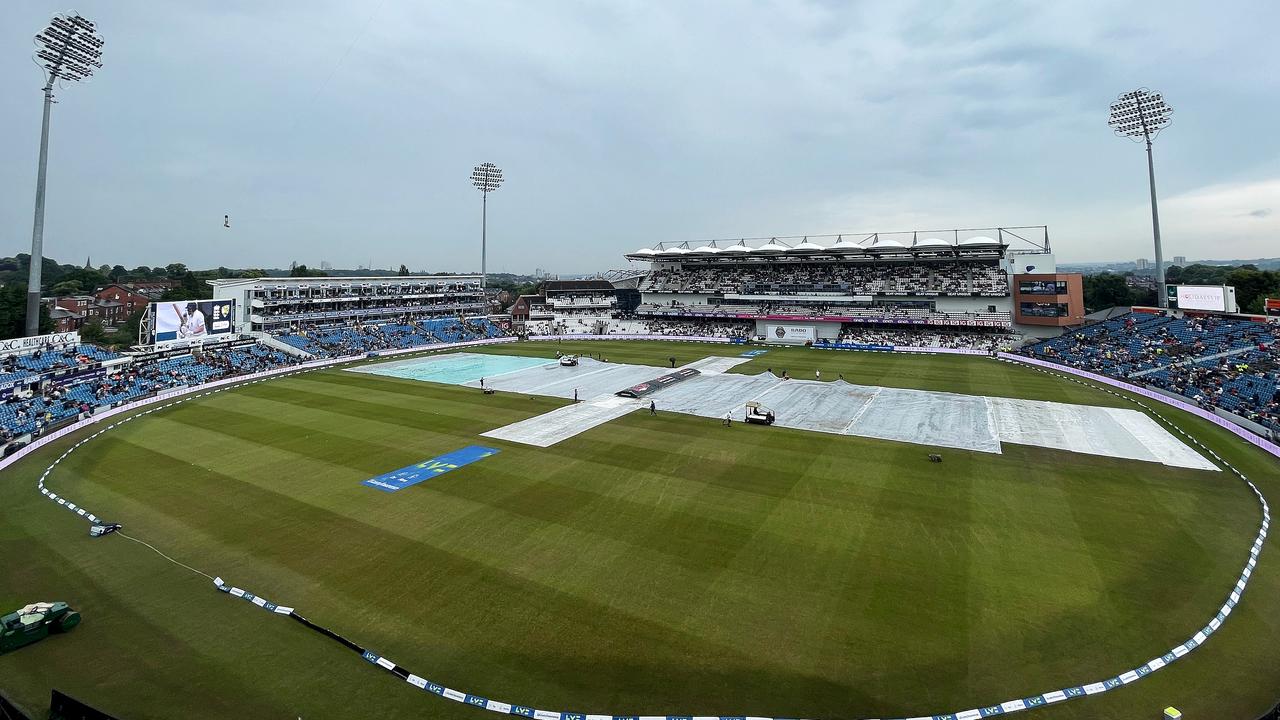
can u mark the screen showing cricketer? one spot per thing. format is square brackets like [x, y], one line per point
[186, 320]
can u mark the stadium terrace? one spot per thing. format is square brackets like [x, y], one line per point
[818, 289]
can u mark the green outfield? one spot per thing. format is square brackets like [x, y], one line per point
[653, 565]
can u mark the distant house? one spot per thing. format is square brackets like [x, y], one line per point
[132, 296]
[157, 286]
[85, 308]
[65, 320]
[529, 307]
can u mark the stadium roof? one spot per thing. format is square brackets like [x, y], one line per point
[570, 285]
[326, 281]
[842, 245]
[961, 242]
[804, 246]
[933, 243]
[886, 246]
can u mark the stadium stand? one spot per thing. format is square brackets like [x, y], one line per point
[888, 313]
[356, 339]
[46, 359]
[1218, 362]
[56, 400]
[909, 338]
[703, 327]
[292, 305]
[956, 282]
[898, 279]
[51, 385]
[102, 378]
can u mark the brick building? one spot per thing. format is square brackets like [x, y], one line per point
[79, 309]
[132, 296]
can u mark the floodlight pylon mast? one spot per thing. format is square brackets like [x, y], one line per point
[487, 177]
[1162, 297]
[32, 327]
[1141, 115]
[484, 238]
[70, 50]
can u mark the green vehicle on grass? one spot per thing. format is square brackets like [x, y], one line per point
[35, 622]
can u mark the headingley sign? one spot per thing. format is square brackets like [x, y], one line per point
[15, 346]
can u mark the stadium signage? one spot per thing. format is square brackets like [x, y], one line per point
[412, 475]
[652, 386]
[1042, 287]
[1212, 298]
[854, 346]
[794, 334]
[877, 320]
[954, 322]
[65, 380]
[14, 346]
[362, 312]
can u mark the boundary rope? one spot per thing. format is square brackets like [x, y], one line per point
[166, 557]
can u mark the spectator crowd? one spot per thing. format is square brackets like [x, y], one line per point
[1218, 362]
[780, 278]
[38, 392]
[25, 411]
[983, 341]
[406, 332]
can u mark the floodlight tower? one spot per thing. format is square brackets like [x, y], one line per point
[68, 51]
[1141, 115]
[486, 177]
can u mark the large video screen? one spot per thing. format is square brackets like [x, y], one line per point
[1202, 297]
[1043, 287]
[1033, 309]
[192, 319]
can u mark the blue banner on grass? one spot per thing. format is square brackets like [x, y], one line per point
[753, 353]
[414, 474]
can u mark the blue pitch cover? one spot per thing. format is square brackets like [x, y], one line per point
[414, 474]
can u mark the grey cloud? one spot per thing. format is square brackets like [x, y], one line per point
[346, 131]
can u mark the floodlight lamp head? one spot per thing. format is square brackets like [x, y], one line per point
[69, 49]
[1140, 115]
[487, 177]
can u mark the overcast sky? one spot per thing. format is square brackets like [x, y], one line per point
[346, 131]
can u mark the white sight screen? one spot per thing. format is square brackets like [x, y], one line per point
[1202, 297]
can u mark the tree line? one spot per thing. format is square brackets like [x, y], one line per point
[1253, 286]
[58, 280]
